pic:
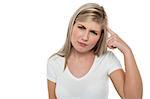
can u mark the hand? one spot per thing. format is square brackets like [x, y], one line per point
[114, 41]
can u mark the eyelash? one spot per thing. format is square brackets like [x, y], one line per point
[81, 27]
[94, 32]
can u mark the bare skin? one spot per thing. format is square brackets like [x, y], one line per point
[79, 66]
[51, 89]
[129, 83]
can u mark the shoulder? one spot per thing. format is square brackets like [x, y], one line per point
[55, 58]
[110, 54]
[107, 58]
[55, 63]
[107, 54]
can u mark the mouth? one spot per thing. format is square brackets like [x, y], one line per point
[82, 44]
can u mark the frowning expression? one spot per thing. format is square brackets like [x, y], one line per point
[85, 35]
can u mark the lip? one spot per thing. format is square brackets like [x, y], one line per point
[82, 44]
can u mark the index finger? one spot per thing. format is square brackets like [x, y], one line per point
[110, 31]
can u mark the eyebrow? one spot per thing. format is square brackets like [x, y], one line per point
[90, 30]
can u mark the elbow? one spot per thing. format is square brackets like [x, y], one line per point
[133, 92]
[133, 96]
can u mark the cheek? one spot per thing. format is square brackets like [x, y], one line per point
[94, 40]
[75, 35]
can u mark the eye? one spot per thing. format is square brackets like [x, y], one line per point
[81, 27]
[94, 32]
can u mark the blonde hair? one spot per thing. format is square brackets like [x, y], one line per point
[97, 14]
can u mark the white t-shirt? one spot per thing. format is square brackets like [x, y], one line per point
[93, 85]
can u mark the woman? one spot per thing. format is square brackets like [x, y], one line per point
[82, 68]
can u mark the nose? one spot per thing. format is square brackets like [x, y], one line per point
[85, 36]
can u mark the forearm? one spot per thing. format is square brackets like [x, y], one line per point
[133, 83]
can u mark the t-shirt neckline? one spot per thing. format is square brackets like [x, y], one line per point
[85, 75]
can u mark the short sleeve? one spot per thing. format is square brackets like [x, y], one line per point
[51, 71]
[113, 63]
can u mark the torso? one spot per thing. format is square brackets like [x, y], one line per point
[88, 82]
[80, 67]
[83, 79]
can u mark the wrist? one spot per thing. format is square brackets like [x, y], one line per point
[127, 51]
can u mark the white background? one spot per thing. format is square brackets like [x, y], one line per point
[31, 30]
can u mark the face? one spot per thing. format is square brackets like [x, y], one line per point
[85, 35]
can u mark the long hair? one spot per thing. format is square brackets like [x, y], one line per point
[86, 11]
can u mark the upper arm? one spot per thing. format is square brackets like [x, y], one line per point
[51, 89]
[117, 77]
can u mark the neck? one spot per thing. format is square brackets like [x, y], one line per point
[79, 55]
